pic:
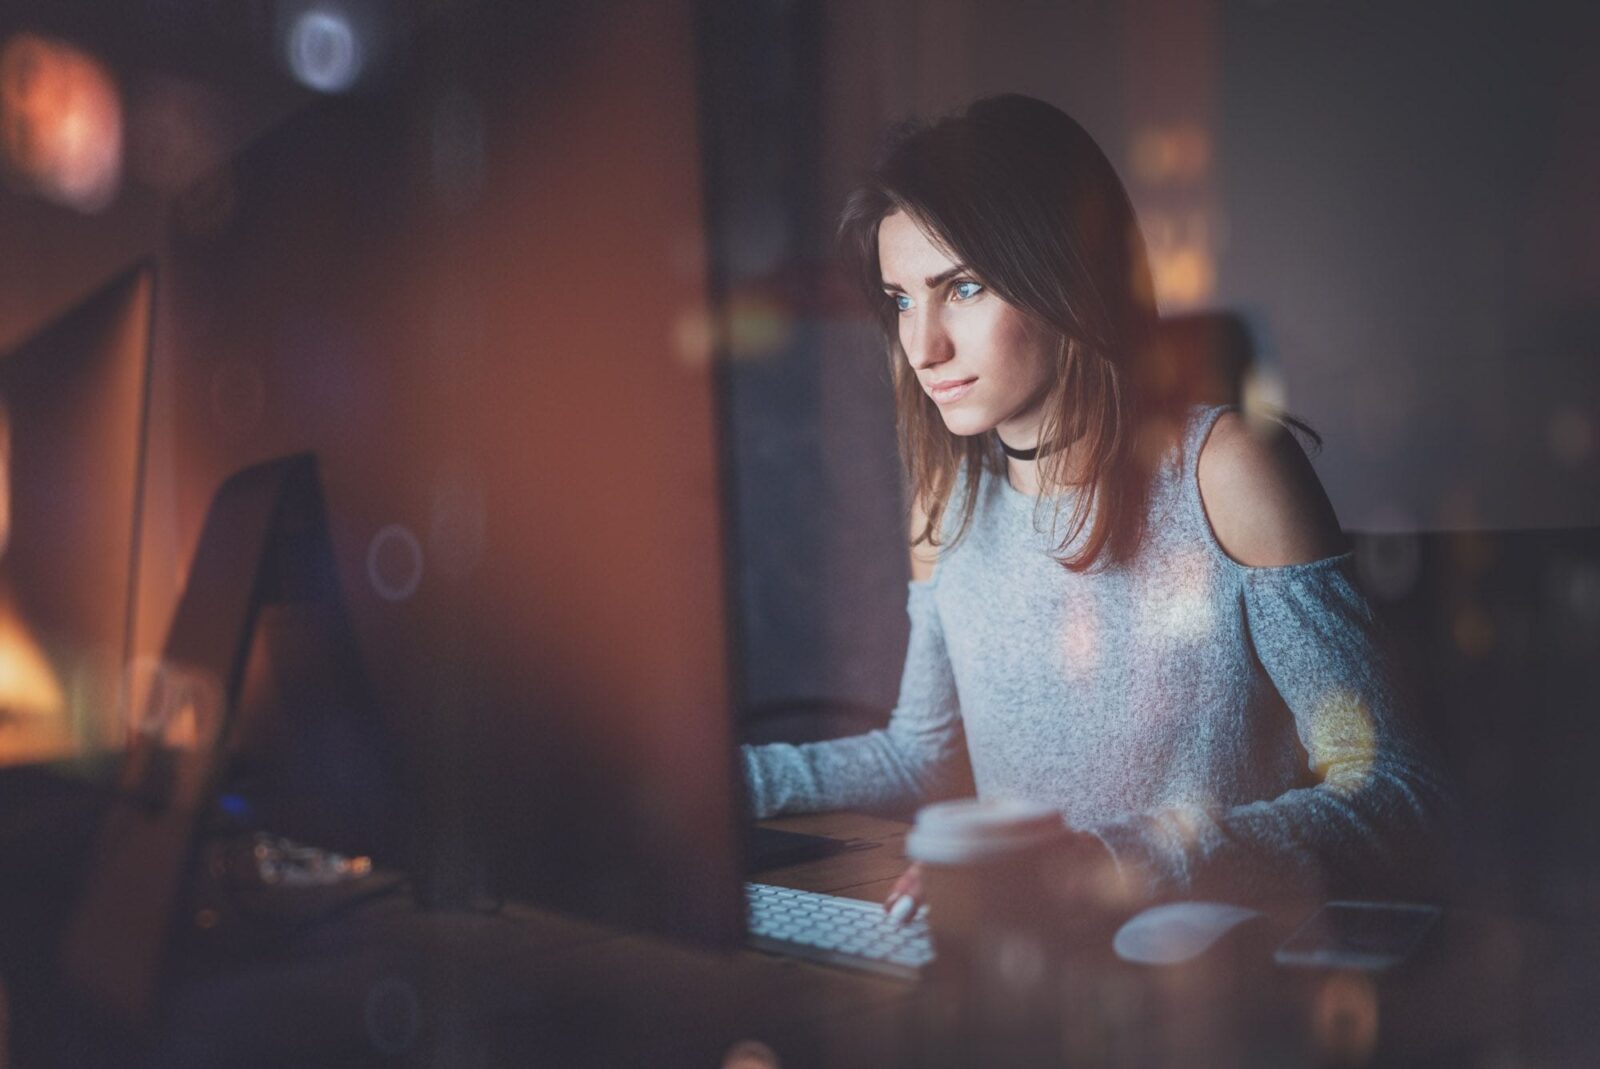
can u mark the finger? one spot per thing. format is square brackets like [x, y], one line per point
[906, 884]
[903, 908]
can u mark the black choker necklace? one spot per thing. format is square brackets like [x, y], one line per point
[1021, 454]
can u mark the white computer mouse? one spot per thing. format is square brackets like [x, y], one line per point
[1177, 931]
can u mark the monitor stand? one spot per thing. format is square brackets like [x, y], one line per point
[264, 542]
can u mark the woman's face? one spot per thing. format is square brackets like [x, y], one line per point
[986, 365]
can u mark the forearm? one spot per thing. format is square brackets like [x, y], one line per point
[890, 768]
[919, 755]
[1381, 831]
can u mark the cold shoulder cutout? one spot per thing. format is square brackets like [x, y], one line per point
[1260, 496]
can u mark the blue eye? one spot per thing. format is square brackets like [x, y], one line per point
[902, 303]
[967, 290]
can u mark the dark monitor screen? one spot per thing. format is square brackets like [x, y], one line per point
[499, 360]
[72, 407]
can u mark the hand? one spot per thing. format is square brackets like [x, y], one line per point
[1086, 878]
[905, 899]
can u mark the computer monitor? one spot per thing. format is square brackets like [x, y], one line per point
[72, 413]
[480, 300]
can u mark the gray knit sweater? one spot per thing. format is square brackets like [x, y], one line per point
[1227, 731]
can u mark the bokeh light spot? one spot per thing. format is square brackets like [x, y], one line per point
[1179, 607]
[750, 1054]
[1174, 154]
[1264, 396]
[324, 50]
[1184, 276]
[1343, 739]
[1389, 566]
[394, 562]
[757, 327]
[693, 338]
[60, 122]
[1570, 436]
[1344, 1018]
[1080, 645]
[1574, 587]
[175, 133]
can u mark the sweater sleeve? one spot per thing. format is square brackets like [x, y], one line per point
[917, 756]
[1374, 820]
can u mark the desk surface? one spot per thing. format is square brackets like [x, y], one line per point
[391, 986]
[505, 988]
[527, 987]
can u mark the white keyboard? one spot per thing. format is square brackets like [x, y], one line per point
[835, 931]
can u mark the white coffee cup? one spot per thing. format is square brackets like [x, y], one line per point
[977, 830]
[990, 867]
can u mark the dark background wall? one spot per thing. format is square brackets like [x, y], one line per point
[1396, 198]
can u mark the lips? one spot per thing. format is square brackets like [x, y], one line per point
[944, 393]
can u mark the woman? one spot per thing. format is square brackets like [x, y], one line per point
[1137, 611]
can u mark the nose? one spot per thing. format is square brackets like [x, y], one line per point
[926, 342]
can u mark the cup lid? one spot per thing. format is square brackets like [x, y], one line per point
[980, 829]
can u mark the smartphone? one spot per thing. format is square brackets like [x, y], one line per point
[1358, 935]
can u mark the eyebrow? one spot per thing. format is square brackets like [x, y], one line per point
[936, 280]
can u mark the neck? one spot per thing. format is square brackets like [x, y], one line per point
[1022, 465]
[1023, 475]
[1031, 453]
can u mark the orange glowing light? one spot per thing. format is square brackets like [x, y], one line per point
[1184, 276]
[1171, 154]
[60, 122]
[28, 687]
[33, 706]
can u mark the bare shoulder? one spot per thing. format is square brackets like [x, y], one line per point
[1262, 497]
[923, 557]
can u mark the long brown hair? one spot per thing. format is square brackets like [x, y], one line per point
[1019, 192]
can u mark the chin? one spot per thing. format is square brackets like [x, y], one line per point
[966, 424]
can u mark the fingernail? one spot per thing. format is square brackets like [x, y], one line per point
[902, 909]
